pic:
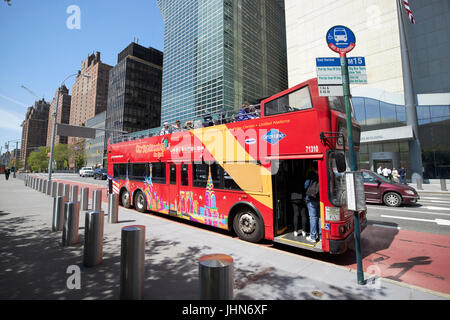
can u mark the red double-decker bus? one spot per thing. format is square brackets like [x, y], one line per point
[239, 176]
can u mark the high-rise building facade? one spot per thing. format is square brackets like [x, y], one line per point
[94, 149]
[89, 94]
[63, 115]
[134, 93]
[219, 54]
[34, 129]
[380, 104]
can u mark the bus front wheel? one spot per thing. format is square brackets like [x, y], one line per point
[248, 226]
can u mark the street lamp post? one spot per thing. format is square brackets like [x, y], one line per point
[55, 114]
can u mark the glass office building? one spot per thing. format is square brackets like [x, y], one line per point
[134, 92]
[219, 54]
[384, 140]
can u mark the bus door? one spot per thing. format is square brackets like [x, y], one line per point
[288, 177]
[173, 189]
[280, 178]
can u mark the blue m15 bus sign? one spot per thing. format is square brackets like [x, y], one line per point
[341, 39]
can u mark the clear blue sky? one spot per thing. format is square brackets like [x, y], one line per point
[39, 51]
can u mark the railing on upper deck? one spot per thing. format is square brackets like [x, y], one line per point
[208, 120]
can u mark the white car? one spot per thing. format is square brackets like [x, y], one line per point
[86, 172]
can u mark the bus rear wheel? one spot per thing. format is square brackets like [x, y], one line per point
[140, 203]
[125, 198]
[248, 226]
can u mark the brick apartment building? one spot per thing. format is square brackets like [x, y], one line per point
[34, 129]
[63, 115]
[89, 95]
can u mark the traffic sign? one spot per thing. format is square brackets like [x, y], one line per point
[341, 39]
[331, 91]
[329, 70]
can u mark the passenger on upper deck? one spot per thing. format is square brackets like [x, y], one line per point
[177, 126]
[189, 125]
[165, 129]
[245, 113]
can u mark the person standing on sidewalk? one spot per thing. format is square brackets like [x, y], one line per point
[7, 172]
[402, 174]
[313, 205]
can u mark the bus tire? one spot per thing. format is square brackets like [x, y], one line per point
[125, 199]
[140, 202]
[247, 225]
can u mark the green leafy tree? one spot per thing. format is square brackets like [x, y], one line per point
[38, 160]
[61, 155]
[77, 155]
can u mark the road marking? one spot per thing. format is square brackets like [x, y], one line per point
[410, 211]
[435, 208]
[441, 222]
[384, 226]
[434, 201]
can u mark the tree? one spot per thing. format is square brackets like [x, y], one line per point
[77, 153]
[61, 155]
[38, 160]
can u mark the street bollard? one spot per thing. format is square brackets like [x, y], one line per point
[73, 194]
[49, 187]
[58, 214]
[44, 186]
[66, 192]
[132, 263]
[34, 183]
[54, 189]
[419, 184]
[25, 181]
[71, 221]
[216, 277]
[443, 185]
[93, 238]
[97, 200]
[113, 208]
[84, 201]
[60, 189]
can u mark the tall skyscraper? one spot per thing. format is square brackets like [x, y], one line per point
[219, 54]
[134, 93]
[63, 115]
[380, 104]
[89, 95]
[34, 129]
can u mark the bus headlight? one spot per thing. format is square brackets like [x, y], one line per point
[332, 214]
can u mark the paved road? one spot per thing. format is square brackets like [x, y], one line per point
[407, 244]
[430, 215]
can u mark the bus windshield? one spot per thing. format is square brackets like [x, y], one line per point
[294, 101]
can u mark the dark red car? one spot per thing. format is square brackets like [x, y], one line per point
[379, 189]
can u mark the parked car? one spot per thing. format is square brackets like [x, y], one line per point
[86, 172]
[100, 173]
[379, 189]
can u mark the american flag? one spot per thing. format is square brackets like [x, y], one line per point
[409, 12]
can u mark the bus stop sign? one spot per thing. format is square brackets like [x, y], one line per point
[341, 39]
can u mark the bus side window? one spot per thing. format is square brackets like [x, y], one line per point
[229, 183]
[199, 175]
[173, 174]
[184, 175]
[120, 171]
[159, 172]
[138, 171]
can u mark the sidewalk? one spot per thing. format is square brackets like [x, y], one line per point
[33, 263]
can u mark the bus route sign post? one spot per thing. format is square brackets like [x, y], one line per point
[341, 40]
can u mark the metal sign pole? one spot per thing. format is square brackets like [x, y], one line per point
[348, 111]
